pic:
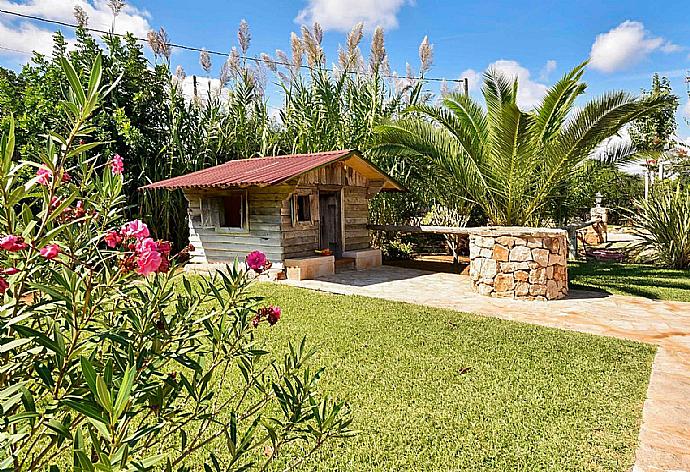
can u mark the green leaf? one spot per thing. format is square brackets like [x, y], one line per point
[75, 84]
[85, 407]
[26, 415]
[124, 392]
[101, 428]
[59, 428]
[95, 76]
[103, 394]
[89, 374]
[40, 338]
[5, 347]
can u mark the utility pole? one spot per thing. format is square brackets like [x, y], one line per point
[466, 86]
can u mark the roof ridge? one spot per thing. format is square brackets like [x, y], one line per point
[283, 156]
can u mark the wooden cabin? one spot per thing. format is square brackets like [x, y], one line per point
[288, 207]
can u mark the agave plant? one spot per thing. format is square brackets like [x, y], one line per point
[508, 161]
[663, 223]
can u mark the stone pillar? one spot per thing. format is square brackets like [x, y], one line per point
[520, 263]
[598, 232]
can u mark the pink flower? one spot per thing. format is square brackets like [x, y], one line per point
[50, 251]
[9, 271]
[146, 245]
[3, 286]
[44, 175]
[164, 247]
[165, 264]
[136, 229]
[12, 243]
[148, 262]
[116, 165]
[256, 260]
[273, 314]
[112, 239]
[66, 177]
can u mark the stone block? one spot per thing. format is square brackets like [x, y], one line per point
[501, 253]
[541, 256]
[520, 254]
[522, 289]
[507, 241]
[513, 266]
[484, 289]
[560, 273]
[553, 290]
[486, 242]
[520, 241]
[556, 259]
[486, 253]
[504, 282]
[535, 243]
[365, 258]
[489, 269]
[536, 290]
[521, 276]
[537, 276]
[554, 245]
[310, 267]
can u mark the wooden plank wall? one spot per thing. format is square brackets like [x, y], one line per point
[271, 228]
[356, 217]
[217, 245]
[302, 239]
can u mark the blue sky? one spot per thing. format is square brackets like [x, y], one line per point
[538, 41]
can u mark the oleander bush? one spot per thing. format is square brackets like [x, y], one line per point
[103, 366]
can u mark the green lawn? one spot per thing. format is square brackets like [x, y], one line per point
[437, 390]
[632, 279]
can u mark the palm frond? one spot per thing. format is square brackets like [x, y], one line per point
[557, 104]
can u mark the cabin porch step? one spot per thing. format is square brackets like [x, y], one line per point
[344, 263]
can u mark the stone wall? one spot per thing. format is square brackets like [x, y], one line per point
[521, 263]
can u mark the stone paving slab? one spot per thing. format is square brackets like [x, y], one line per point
[664, 441]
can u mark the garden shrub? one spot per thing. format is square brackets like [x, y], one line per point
[110, 359]
[397, 249]
[663, 223]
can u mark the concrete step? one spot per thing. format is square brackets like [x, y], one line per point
[344, 263]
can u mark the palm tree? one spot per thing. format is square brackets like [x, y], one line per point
[501, 158]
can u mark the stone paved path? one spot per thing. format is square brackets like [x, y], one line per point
[665, 432]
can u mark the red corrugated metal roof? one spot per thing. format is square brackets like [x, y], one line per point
[261, 172]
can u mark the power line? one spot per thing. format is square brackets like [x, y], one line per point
[209, 51]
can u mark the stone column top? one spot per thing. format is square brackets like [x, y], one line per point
[517, 231]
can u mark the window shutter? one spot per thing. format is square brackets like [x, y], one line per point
[313, 203]
[293, 209]
[210, 212]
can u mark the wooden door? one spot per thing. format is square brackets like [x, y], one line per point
[329, 212]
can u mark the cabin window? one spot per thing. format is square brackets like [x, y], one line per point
[303, 208]
[233, 211]
[228, 211]
[300, 209]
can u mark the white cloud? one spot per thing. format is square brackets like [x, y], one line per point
[24, 35]
[686, 109]
[626, 45]
[343, 15]
[472, 77]
[530, 92]
[549, 67]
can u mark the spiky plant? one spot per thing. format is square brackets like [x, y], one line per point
[508, 161]
[663, 223]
